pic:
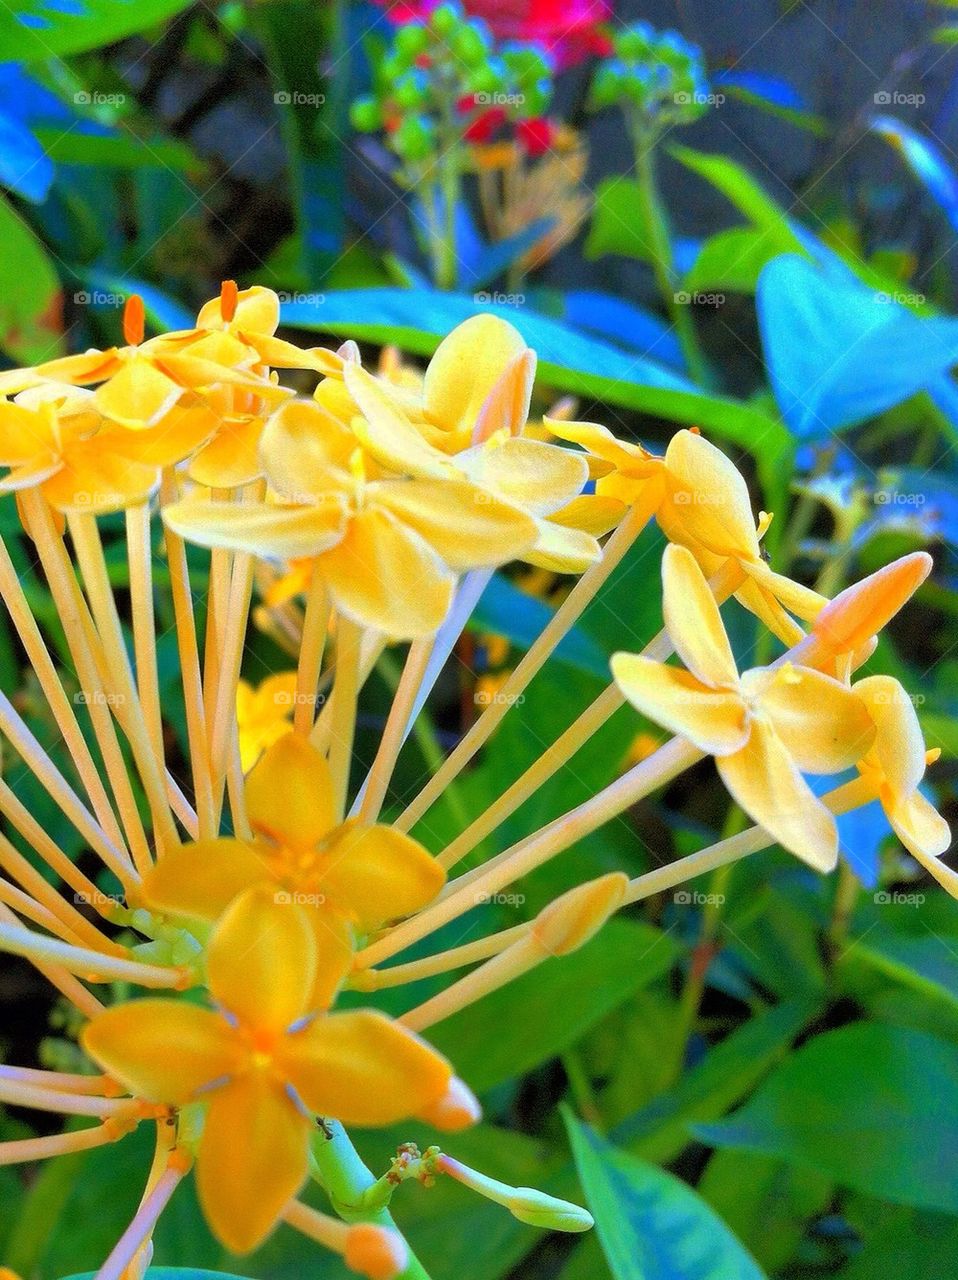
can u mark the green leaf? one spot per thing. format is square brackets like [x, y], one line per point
[35, 29]
[927, 964]
[418, 319]
[544, 1012]
[120, 151]
[31, 300]
[874, 1107]
[617, 221]
[905, 1243]
[728, 1072]
[732, 259]
[651, 1225]
[738, 186]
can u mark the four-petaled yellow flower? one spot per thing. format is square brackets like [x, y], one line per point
[353, 878]
[263, 714]
[764, 728]
[266, 1060]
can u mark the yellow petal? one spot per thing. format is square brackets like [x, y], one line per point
[536, 476]
[387, 433]
[714, 720]
[764, 780]
[138, 395]
[162, 1050]
[591, 514]
[465, 368]
[760, 601]
[693, 621]
[201, 879]
[335, 949]
[709, 498]
[628, 458]
[305, 451]
[286, 355]
[287, 533]
[261, 960]
[562, 550]
[824, 726]
[465, 525]
[231, 458]
[253, 1158]
[86, 367]
[257, 311]
[363, 1068]
[926, 835]
[376, 874]
[506, 407]
[24, 434]
[860, 611]
[95, 478]
[801, 601]
[289, 794]
[899, 743]
[385, 576]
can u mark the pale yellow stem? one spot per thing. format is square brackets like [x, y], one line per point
[654, 772]
[221, 562]
[20, 1094]
[343, 716]
[28, 908]
[140, 560]
[313, 646]
[60, 706]
[93, 965]
[65, 916]
[236, 788]
[536, 656]
[137, 1235]
[377, 781]
[327, 1231]
[370, 651]
[85, 533]
[495, 973]
[100, 1086]
[186, 643]
[24, 1150]
[442, 962]
[69, 987]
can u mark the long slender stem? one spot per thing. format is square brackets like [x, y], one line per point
[517, 959]
[315, 628]
[343, 718]
[93, 965]
[455, 958]
[377, 780]
[142, 1225]
[59, 977]
[24, 1150]
[140, 559]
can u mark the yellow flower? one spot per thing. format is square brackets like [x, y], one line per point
[265, 1059]
[387, 549]
[54, 437]
[764, 727]
[263, 714]
[354, 878]
[896, 763]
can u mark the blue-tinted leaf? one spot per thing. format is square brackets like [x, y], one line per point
[24, 166]
[507, 611]
[163, 311]
[839, 353]
[623, 323]
[773, 88]
[926, 161]
[651, 1225]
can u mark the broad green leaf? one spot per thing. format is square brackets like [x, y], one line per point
[927, 964]
[904, 1242]
[874, 1107]
[733, 259]
[651, 1225]
[31, 301]
[544, 1012]
[738, 186]
[726, 1074]
[766, 1202]
[41, 29]
[116, 150]
[418, 319]
[617, 221]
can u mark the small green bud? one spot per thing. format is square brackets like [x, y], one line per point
[412, 40]
[414, 140]
[445, 18]
[365, 115]
[537, 1209]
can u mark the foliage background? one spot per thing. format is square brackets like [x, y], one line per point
[771, 1058]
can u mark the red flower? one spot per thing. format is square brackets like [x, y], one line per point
[485, 125]
[535, 135]
[568, 30]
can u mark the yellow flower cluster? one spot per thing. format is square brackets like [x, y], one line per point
[267, 884]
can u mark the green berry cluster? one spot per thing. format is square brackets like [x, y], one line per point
[448, 68]
[658, 78]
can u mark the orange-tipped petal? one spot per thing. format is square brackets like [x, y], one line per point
[859, 612]
[506, 407]
[715, 720]
[162, 1050]
[764, 780]
[457, 1109]
[289, 793]
[824, 726]
[201, 879]
[253, 1158]
[376, 874]
[693, 621]
[261, 960]
[377, 1252]
[363, 1068]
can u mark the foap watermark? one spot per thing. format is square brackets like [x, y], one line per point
[295, 698]
[310, 299]
[896, 498]
[899, 297]
[298, 898]
[86, 98]
[295, 98]
[699, 498]
[97, 898]
[692, 898]
[499, 99]
[499, 299]
[695, 298]
[500, 899]
[698, 99]
[98, 298]
[895, 98]
[495, 698]
[98, 698]
[895, 898]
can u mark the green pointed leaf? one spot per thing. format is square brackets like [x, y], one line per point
[33, 29]
[31, 301]
[653, 1226]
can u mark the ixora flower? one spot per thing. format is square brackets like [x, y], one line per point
[764, 728]
[701, 501]
[261, 1062]
[353, 878]
[387, 549]
[263, 714]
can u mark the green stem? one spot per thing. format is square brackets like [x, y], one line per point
[447, 273]
[843, 908]
[343, 1175]
[655, 222]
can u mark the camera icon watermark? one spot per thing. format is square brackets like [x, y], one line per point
[295, 98]
[298, 898]
[85, 98]
[685, 298]
[692, 898]
[497, 299]
[893, 98]
[894, 898]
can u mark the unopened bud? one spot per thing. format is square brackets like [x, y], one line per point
[569, 922]
[458, 1108]
[377, 1252]
[537, 1209]
[859, 612]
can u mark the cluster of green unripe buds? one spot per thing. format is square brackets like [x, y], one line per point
[447, 72]
[657, 77]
